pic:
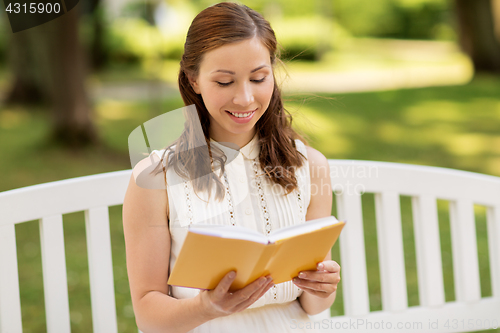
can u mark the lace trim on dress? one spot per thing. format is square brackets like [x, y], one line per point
[188, 202]
[230, 201]
[301, 211]
[262, 198]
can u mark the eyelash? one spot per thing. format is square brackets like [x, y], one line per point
[225, 84]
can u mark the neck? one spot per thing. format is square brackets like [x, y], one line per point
[239, 139]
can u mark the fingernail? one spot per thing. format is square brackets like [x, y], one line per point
[232, 274]
[320, 266]
[302, 275]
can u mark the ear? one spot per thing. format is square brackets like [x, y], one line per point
[194, 84]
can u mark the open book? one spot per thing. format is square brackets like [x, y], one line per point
[210, 252]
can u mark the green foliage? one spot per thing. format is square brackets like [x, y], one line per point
[307, 38]
[279, 8]
[450, 127]
[406, 19]
[136, 37]
[135, 40]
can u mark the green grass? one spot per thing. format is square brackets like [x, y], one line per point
[456, 127]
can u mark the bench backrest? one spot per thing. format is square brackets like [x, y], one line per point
[47, 202]
[424, 185]
[94, 194]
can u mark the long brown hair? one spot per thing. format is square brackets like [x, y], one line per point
[214, 27]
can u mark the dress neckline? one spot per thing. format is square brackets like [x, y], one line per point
[249, 151]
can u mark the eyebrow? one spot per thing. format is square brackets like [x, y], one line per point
[233, 73]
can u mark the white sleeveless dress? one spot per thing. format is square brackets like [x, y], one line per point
[253, 202]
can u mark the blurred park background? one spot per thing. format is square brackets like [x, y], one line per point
[411, 81]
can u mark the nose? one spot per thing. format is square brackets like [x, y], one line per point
[244, 95]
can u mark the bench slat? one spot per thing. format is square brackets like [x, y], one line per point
[464, 247]
[102, 289]
[55, 283]
[493, 218]
[391, 253]
[64, 196]
[415, 180]
[10, 303]
[428, 251]
[352, 252]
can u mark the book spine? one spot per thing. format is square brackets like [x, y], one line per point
[262, 264]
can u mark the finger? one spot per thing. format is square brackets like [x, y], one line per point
[328, 286]
[252, 299]
[224, 284]
[329, 265]
[317, 286]
[245, 293]
[269, 285]
[317, 276]
[256, 294]
[317, 293]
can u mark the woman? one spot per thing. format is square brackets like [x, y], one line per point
[227, 73]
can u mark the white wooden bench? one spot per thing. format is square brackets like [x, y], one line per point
[94, 194]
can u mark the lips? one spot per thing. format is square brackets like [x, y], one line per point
[240, 114]
[241, 117]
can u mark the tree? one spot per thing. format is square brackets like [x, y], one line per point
[49, 60]
[496, 17]
[477, 35]
[25, 86]
[98, 55]
[65, 69]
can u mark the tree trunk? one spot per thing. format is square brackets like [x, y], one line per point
[64, 67]
[496, 18]
[26, 86]
[477, 33]
[98, 53]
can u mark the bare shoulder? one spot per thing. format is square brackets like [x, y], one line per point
[317, 162]
[147, 188]
[148, 173]
[320, 204]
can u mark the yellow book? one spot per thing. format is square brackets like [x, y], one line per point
[210, 252]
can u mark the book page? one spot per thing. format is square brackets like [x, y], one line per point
[302, 252]
[299, 229]
[233, 232]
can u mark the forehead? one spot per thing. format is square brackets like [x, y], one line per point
[237, 57]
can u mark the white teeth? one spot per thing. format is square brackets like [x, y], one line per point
[240, 115]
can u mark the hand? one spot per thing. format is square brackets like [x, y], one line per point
[322, 282]
[220, 302]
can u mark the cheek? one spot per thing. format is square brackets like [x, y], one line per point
[214, 98]
[266, 93]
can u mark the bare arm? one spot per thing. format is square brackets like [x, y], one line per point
[147, 240]
[319, 286]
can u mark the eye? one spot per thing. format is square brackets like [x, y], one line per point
[259, 81]
[223, 84]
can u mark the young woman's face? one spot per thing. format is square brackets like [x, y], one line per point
[236, 83]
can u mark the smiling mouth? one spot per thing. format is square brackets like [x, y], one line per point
[241, 114]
